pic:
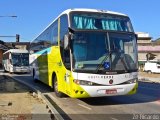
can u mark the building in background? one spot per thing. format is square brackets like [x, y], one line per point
[3, 48]
[18, 45]
[148, 50]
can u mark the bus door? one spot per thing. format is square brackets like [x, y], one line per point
[43, 66]
[65, 55]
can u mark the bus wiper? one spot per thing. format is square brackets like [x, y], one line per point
[124, 63]
[121, 57]
[100, 65]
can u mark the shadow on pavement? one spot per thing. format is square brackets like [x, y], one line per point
[8, 85]
[147, 92]
[27, 78]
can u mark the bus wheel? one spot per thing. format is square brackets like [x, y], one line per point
[57, 93]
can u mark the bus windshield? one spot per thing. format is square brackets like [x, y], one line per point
[105, 51]
[20, 59]
[99, 21]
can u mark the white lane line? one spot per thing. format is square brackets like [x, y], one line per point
[113, 118]
[85, 107]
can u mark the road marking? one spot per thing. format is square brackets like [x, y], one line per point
[113, 118]
[85, 107]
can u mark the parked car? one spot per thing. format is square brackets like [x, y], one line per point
[151, 67]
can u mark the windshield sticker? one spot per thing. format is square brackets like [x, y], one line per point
[106, 65]
[79, 65]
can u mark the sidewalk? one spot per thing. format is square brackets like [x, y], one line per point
[18, 102]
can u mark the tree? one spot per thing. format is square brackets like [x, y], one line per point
[150, 56]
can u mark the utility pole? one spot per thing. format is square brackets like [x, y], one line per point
[3, 47]
[17, 35]
[13, 16]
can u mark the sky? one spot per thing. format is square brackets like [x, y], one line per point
[33, 16]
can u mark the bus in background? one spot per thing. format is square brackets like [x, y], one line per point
[87, 53]
[16, 60]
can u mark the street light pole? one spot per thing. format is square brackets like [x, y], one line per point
[14, 16]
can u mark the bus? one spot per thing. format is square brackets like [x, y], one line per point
[87, 53]
[16, 60]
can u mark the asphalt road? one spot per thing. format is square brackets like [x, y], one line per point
[145, 105]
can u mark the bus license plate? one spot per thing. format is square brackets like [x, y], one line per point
[111, 91]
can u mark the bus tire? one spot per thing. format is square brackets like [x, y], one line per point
[55, 86]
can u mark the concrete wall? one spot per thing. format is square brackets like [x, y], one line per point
[22, 47]
[143, 41]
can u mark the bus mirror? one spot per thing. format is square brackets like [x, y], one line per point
[66, 41]
[31, 52]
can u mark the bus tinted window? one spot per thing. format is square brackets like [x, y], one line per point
[63, 26]
[48, 38]
[93, 21]
[20, 59]
[54, 33]
[63, 31]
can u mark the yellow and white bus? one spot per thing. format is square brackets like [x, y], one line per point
[87, 53]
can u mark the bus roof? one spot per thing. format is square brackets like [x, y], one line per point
[82, 10]
[16, 51]
[91, 10]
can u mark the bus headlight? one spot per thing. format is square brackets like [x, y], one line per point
[83, 82]
[132, 81]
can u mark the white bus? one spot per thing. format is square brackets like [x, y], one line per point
[87, 53]
[16, 60]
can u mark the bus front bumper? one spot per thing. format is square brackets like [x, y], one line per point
[100, 91]
[21, 70]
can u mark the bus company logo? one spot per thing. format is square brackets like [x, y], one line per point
[100, 77]
[128, 76]
[110, 81]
